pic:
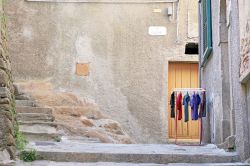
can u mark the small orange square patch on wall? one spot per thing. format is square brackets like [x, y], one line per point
[82, 69]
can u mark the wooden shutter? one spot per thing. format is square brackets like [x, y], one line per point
[206, 31]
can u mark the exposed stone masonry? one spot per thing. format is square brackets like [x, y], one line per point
[245, 52]
[7, 105]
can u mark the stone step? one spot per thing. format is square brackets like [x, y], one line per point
[22, 97]
[37, 128]
[37, 131]
[41, 136]
[132, 153]
[79, 139]
[32, 123]
[26, 103]
[25, 109]
[52, 163]
[39, 117]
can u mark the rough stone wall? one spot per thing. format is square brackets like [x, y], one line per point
[128, 67]
[245, 42]
[7, 111]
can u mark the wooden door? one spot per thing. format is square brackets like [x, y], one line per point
[183, 75]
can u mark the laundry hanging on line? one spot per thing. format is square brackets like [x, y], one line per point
[172, 105]
[186, 100]
[203, 105]
[179, 106]
[196, 101]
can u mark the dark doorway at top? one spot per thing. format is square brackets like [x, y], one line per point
[192, 48]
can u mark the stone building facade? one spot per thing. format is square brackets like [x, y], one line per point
[113, 52]
[7, 106]
[224, 72]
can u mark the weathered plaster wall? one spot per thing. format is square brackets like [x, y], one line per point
[244, 21]
[7, 112]
[128, 67]
[239, 108]
[221, 77]
[211, 80]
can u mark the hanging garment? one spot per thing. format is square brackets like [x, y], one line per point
[196, 106]
[186, 100]
[172, 104]
[179, 106]
[203, 105]
[194, 103]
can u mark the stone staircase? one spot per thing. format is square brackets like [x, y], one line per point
[36, 122]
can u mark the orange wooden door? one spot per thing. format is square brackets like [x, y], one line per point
[183, 75]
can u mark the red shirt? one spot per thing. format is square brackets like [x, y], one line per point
[179, 106]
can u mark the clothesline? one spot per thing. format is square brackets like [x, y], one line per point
[189, 90]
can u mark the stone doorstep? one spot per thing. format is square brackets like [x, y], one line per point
[160, 154]
[44, 110]
[35, 117]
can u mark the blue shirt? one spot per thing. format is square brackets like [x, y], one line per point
[186, 100]
[194, 103]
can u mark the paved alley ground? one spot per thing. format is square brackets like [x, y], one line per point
[131, 153]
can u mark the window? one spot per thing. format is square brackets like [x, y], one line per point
[206, 30]
[192, 48]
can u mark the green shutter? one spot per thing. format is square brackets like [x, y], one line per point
[206, 30]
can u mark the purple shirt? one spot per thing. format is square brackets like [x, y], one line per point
[194, 103]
